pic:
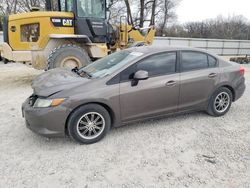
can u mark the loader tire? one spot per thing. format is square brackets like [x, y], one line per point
[69, 56]
[5, 61]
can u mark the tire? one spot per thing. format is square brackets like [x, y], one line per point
[68, 55]
[76, 129]
[216, 107]
[5, 61]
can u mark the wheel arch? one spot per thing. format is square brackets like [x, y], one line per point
[231, 89]
[107, 107]
[228, 86]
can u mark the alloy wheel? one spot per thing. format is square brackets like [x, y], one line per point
[90, 125]
[222, 102]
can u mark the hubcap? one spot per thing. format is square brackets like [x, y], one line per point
[90, 125]
[222, 102]
[70, 62]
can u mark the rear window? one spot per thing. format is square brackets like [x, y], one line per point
[212, 61]
[193, 61]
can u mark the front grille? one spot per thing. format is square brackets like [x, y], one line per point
[32, 100]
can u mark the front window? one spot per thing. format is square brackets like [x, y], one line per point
[110, 64]
[159, 64]
[91, 8]
[155, 65]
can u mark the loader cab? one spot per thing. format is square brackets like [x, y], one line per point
[89, 16]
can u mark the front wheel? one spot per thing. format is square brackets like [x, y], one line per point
[220, 102]
[89, 124]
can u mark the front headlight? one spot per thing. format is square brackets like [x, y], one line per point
[44, 103]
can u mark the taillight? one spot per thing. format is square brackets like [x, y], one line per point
[242, 71]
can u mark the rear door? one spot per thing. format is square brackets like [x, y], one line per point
[199, 76]
[157, 95]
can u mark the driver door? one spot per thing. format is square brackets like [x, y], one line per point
[157, 95]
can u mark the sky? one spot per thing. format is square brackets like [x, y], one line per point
[197, 10]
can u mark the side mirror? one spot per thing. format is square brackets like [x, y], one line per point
[139, 75]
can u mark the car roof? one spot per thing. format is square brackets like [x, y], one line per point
[155, 49]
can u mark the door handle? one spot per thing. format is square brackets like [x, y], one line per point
[171, 83]
[212, 75]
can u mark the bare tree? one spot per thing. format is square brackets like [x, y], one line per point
[8, 7]
[142, 7]
[26, 5]
[129, 12]
[166, 12]
[152, 20]
[144, 12]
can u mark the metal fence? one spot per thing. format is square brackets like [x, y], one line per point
[218, 46]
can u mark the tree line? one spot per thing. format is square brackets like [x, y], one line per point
[231, 27]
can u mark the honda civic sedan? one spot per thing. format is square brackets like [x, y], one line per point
[130, 85]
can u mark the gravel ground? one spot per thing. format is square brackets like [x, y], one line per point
[191, 150]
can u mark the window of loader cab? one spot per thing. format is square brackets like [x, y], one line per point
[156, 65]
[193, 61]
[91, 8]
[30, 32]
[66, 5]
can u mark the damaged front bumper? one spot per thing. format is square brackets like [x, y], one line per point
[49, 122]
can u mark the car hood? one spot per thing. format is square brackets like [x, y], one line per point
[56, 80]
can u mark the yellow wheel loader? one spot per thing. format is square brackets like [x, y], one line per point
[70, 33]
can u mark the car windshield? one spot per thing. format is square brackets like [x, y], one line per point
[109, 64]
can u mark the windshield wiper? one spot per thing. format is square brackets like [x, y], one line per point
[79, 72]
[75, 70]
[85, 72]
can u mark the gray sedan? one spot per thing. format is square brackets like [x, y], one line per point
[130, 85]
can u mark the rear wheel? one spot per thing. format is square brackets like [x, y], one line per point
[89, 124]
[220, 102]
[69, 56]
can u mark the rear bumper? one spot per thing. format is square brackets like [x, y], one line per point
[239, 91]
[48, 122]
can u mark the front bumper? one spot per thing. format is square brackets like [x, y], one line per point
[49, 122]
